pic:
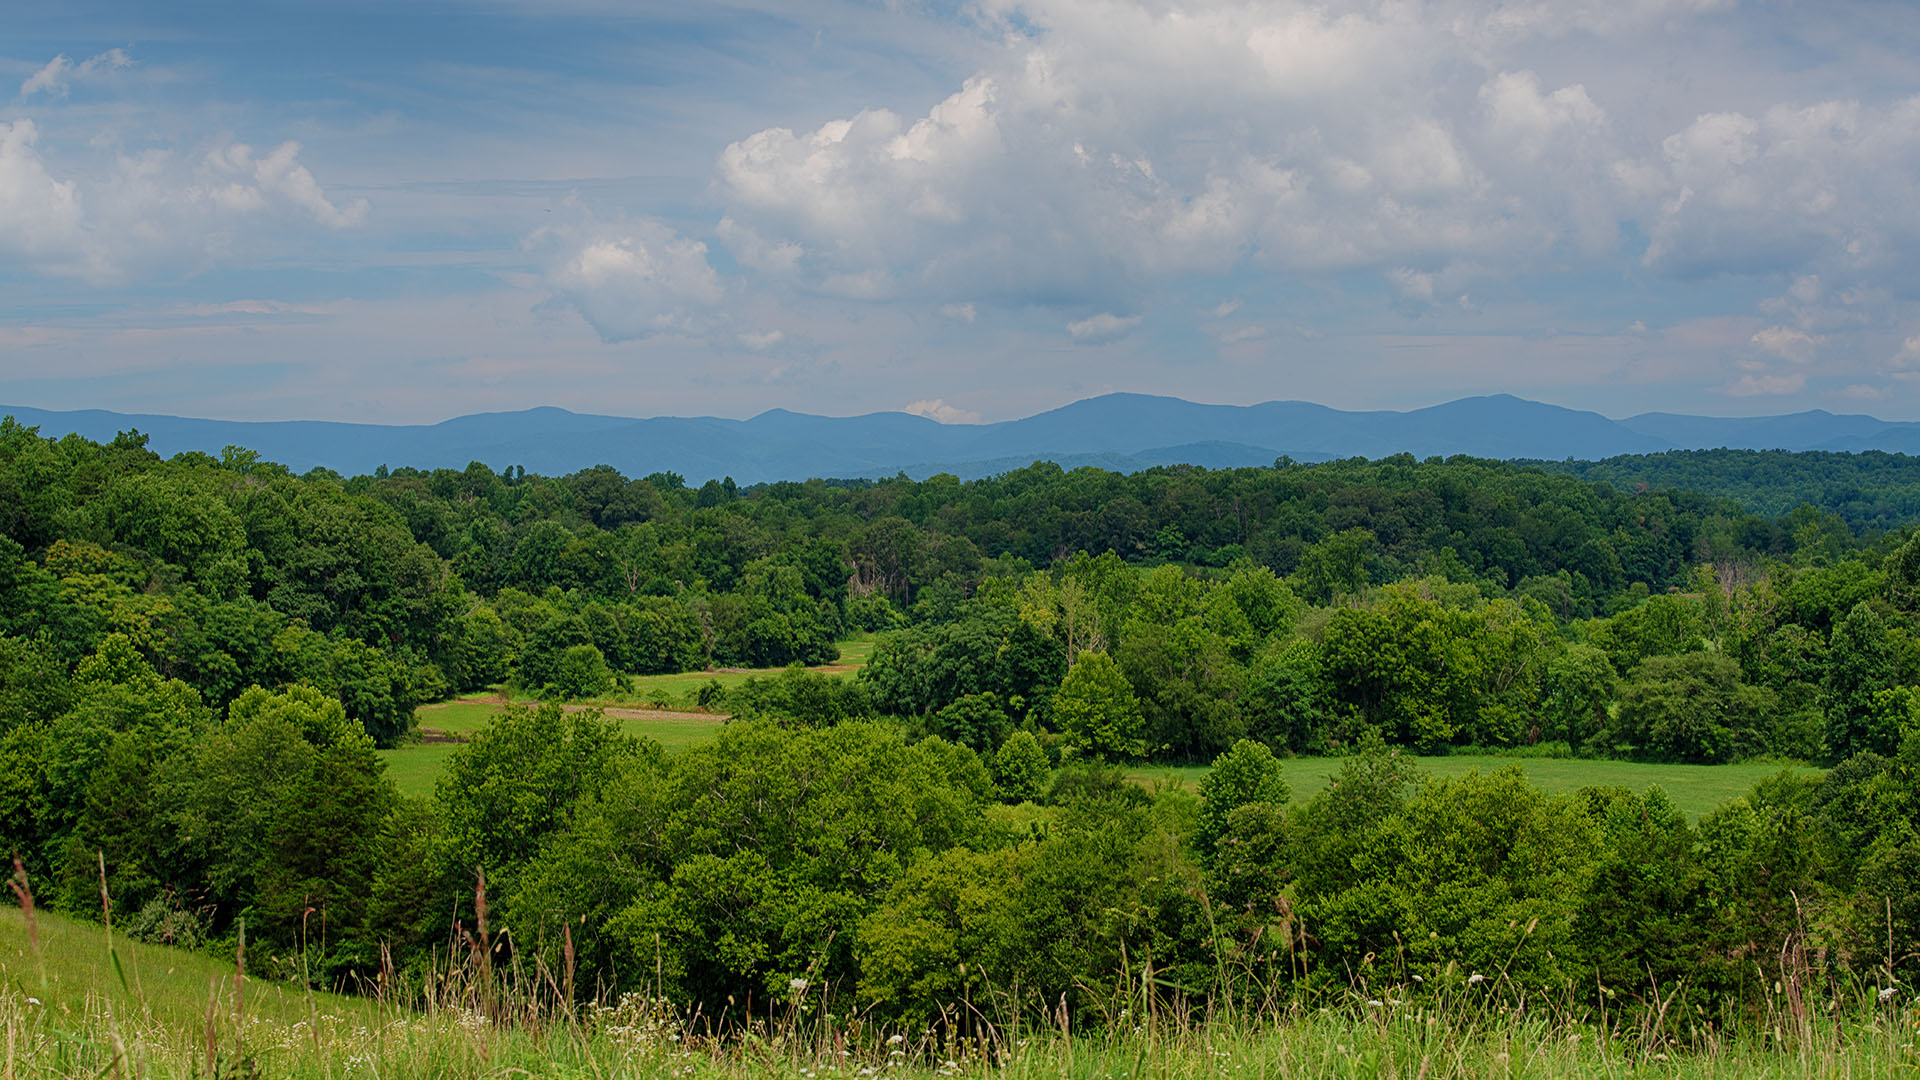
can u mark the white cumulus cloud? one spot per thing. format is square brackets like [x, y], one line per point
[155, 208]
[1767, 385]
[1787, 343]
[59, 74]
[1106, 146]
[636, 279]
[938, 410]
[1101, 328]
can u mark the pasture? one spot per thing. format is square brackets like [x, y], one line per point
[1695, 789]
[659, 707]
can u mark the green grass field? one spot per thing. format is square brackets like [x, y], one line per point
[415, 767]
[1695, 789]
[679, 688]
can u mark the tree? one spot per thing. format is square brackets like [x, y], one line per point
[1287, 700]
[1691, 707]
[1020, 769]
[1336, 566]
[581, 673]
[1097, 711]
[1861, 662]
[1246, 773]
[976, 720]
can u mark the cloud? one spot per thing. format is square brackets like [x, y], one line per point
[1908, 357]
[1225, 308]
[938, 410]
[1101, 328]
[963, 312]
[635, 279]
[57, 77]
[1106, 146]
[1413, 284]
[760, 342]
[1861, 392]
[1240, 334]
[1787, 343]
[153, 209]
[1767, 385]
[279, 173]
[1827, 188]
[41, 221]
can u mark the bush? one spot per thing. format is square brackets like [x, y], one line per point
[581, 673]
[1020, 768]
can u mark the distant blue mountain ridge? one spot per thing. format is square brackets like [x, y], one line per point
[1122, 432]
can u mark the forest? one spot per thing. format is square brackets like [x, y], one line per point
[201, 658]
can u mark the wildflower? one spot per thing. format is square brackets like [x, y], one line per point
[896, 1040]
[797, 985]
[1476, 978]
[1886, 993]
[33, 1001]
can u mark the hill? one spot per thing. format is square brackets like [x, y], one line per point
[1123, 432]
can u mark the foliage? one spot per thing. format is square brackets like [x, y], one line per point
[1097, 712]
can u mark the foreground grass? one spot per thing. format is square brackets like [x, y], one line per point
[174, 1015]
[1695, 789]
[72, 979]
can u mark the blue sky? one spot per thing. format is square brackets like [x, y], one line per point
[401, 212]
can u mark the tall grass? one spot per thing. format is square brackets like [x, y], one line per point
[482, 1010]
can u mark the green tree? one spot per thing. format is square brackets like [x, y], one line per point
[1246, 773]
[1020, 769]
[1692, 707]
[1287, 698]
[1334, 567]
[581, 673]
[1097, 711]
[1862, 661]
[976, 720]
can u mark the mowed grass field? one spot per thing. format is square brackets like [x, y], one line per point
[415, 767]
[1695, 789]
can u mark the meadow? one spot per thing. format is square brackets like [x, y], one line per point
[72, 1005]
[1695, 789]
[657, 707]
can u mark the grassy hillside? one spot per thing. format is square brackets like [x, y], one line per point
[84, 1020]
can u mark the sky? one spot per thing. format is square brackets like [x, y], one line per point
[403, 211]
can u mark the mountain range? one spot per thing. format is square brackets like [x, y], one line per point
[1122, 432]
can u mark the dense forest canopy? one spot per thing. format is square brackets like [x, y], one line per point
[1872, 491]
[199, 658]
